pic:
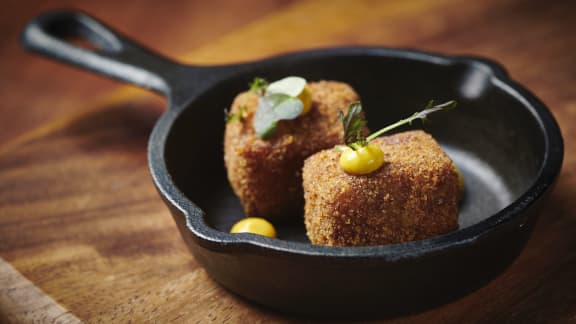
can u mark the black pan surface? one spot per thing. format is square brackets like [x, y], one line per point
[503, 139]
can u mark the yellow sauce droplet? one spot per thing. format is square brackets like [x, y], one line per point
[364, 160]
[306, 99]
[254, 225]
[460, 179]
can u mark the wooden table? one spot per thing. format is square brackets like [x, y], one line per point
[85, 237]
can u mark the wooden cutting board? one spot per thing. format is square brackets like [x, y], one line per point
[85, 237]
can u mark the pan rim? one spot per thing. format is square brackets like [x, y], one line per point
[215, 240]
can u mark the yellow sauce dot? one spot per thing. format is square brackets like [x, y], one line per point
[306, 99]
[254, 225]
[364, 160]
[460, 179]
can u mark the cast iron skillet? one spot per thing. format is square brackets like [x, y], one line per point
[503, 139]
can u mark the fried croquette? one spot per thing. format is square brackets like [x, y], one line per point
[414, 195]
[266, 175]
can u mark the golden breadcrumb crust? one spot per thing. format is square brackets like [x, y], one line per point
[413, 196]
[267, 174]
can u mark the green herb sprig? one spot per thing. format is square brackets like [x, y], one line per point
[354, 122]
[239, 116]
[258, 86]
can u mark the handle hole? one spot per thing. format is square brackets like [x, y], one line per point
[87, 34]
[83, 43]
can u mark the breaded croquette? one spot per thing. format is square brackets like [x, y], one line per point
[413, 196]
[267, 174]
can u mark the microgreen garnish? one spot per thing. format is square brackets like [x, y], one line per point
[354, 122]
[291, 86]
[276, 101]
[230, 117]
[273, 108]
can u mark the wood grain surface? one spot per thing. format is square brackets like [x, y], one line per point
[85, 237]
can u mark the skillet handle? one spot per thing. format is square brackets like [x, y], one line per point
[114, 55]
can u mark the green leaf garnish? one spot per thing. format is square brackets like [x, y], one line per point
[276, 101]
[354, 122]
[230, 117]
[273, 108]
[291, 86]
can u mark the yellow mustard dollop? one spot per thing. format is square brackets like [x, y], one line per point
[364, 160]
[254, 225]
[306, 99]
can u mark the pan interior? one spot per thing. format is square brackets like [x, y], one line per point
[495, 141]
